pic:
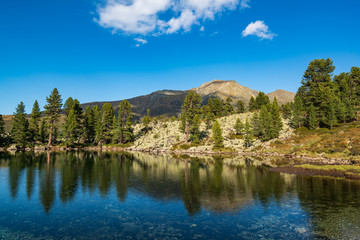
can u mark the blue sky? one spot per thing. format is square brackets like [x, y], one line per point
[111, 50]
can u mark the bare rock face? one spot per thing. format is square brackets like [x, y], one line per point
[282, 96]
[224, 89]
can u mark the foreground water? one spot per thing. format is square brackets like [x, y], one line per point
[89, 195]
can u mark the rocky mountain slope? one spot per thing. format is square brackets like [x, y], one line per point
[168, 102]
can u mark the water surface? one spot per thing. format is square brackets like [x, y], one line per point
[93, 195]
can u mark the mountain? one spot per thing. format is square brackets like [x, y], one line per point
[168, 102]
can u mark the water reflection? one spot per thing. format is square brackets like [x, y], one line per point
[217, 185]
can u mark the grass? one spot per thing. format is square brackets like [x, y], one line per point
[342, 142]
[340, 168]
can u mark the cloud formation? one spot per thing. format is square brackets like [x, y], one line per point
[259, 29]
[140, 42]
[158, 17]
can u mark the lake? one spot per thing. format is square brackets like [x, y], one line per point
[114, 195]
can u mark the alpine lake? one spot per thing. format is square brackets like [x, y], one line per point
[119, 195]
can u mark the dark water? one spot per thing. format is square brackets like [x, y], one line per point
[91, 195]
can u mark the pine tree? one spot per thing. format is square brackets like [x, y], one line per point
[261, 100]
[248, 134]
[287, 110]
[124, 113]
[341, 111]
[256, 126]
[228, 108]
[68, 105]
[331, 116]
[89, 125]
[209, 119]
[52, 111]
[35, 122]
[217, 135]
[43, 133]
[252, 104]
[298, 113]
[312, 122]
[99, 128]
[129, 130]
[2, 131]
[190, 119]
[147, 120]
[73, 128]
[240, 106]
[107, 122]
[276, 119]
[266, 124]
[20, 129]
[239, 127]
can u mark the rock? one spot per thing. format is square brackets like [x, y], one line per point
[2, 149]
[12, 148]
[28, 149]
[39, 148]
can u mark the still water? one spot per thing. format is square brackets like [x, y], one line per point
[91, 195]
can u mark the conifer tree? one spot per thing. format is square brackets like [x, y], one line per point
[52, 111]
[2, 131]
[190, 119]
[209, 119]
[43, 133]
[239, 127]
[261, 100]
[129, 130]
[217, 135]
[248, 134]
[266, 124]
[35, 122]
[298, 113]
[341, 111]
[331, 116]
[107, 122]
[89, 125]
[228, 108]
[256, 126]
[99, 127]
[73, 128]
[124, 113]
[312, 122]
[240, 106]
[276, 119]
[252, 104]
[287, 110]
[68, 105]
[20, 129]
[147, 120]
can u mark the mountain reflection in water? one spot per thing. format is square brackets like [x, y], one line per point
[329, 208]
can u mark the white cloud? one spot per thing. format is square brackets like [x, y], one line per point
[140, 42]
[202, 29]
[158, 17]
[259, 29]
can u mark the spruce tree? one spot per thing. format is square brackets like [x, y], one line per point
[248, 134]
[240, 106]
[312, 122]
[20, 129]
[190, 119]
[239, 127]
[217, 135]
[52, 111]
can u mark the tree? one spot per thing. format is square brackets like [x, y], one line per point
[287, 110]
[99, 128]
[252, 104]
[2, 131]
[240, 106]
[312, 122]
[217, 135]
[52, 111]
[123, 128]
[89, 125]
[298, 113]
[239, 127]
[331, 116]
[35, 122]
[276, 119]
[248, 134]
[190, 119]
[256, 126]
[107, 122]
[228, 108]
[147, 120]
[68, 105]
[266, 124]
[209, 119]
[20, 129]
[129, 130]
[73, 124]
[261, 100]
[43, 133]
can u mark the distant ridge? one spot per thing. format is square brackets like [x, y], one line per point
[168, 102]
